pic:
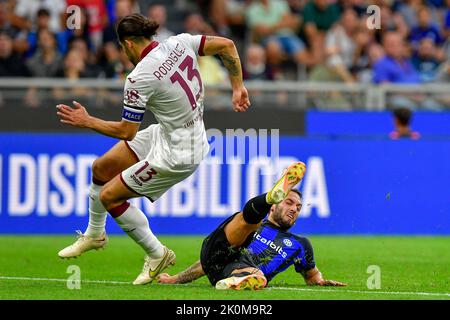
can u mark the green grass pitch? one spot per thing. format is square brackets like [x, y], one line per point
[411, 268]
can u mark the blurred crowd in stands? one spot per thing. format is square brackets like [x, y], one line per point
[309, 40]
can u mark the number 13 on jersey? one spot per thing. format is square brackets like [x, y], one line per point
[188, 63]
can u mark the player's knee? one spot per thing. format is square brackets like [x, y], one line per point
[107, 198]
[100, 170]
[97, 169]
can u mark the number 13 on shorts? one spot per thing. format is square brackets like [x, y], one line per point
[145, 173]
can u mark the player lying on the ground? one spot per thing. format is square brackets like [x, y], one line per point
[165, 81]
[234, 256]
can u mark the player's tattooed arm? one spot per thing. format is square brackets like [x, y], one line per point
[314, 277]
[231, 61]
[190, 274]
[227, 52]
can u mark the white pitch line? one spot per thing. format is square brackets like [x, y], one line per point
[64, 280]
[437, 294]
[363, 291]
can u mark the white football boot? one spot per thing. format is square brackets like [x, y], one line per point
[83, 244]
[153, 267]
[249, 282]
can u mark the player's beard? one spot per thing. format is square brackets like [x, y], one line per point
[278, 218]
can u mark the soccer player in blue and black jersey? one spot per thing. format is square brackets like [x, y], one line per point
[245, 252]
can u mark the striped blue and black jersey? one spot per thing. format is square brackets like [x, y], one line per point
[273, 250]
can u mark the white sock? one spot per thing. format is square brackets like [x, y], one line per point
[97, 213]
[134, 222]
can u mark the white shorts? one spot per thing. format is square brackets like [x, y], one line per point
[152, 175]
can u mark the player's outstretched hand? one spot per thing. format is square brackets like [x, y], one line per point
[76, 116]
[331, 283]
[166, 278]
[240, 100]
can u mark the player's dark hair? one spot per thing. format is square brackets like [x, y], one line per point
[136, 26]
[403, 115]
[298, 192]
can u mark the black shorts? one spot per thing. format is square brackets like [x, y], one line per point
[217, 254]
